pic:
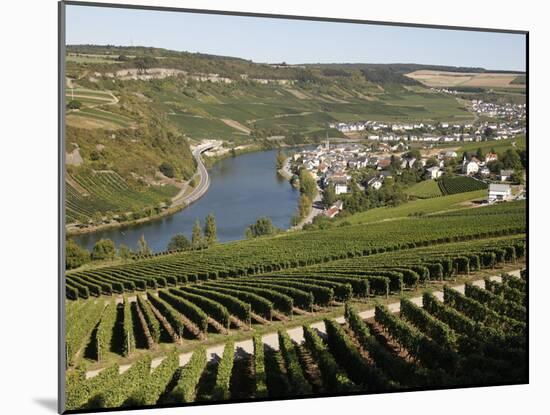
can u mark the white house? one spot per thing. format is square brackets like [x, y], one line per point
[340, 185]
[376, 182]
[470, 166]
[499, 191]
[434, 172]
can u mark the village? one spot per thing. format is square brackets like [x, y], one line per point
[337, 165]
[509, 122]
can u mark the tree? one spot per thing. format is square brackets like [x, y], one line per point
[414, 153]
[74, 105]
[179, 242]
[262, 227]
[196, 236]
[488, 132]
[210, 233]
[308, 186]
[479, 154]
[75, 256]
[517, 177]
[329, 196]
[124, 252]
[495, 166]
[97, 218]
[431, 162]
[167, 169]
[511, 160]
[103, 249]
[143, 247]
[281, 159]
[304, 206]
[395, 162]
[95, 155]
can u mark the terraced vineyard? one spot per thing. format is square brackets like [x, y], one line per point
[89, 193]
[475, 338]
[294, 250]
[192, 310]
[460, 184]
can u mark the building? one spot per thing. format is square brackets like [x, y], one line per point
[491, 157]
[434, 172]
[498, 192]
[450, 154]
[375, 182]
[334, 209]
[505, 175]
[470, 166]
[340, 185]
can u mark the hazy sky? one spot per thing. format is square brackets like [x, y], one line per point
[293, 41]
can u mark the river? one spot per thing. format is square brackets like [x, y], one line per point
[242, 189]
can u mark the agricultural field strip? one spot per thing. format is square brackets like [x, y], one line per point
[341, 279]
[270, 251]
[296, 333]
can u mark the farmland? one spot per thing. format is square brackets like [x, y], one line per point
[182, 299]
[499, 146]
[299, 249]
[417, 208]
[351, 354]
[424, 190]
[92, 193]
[460, 184]
[465, 79]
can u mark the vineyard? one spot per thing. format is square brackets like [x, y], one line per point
[180, 312]
[89, 193]
[425, 189]
[294, 250]
[458, 337]
[460, 184]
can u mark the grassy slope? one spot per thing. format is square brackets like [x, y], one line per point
[499, 146]
[424, 189]
[425, 206]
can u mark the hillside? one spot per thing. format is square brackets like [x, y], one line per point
[131, 109]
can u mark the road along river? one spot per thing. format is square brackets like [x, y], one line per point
[241, 190]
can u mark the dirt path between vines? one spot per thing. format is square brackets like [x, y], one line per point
[297, 333]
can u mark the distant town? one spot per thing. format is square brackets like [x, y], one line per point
[510, 122]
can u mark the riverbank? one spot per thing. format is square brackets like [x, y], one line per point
[285, 170]
[241, 189]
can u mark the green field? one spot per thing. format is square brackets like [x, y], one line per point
[198, 127]
[425, 189]
[417, 207]
[500, 146]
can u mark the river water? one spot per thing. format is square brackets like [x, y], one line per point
[242, 189]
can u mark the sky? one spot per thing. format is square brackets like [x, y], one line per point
[293, 41]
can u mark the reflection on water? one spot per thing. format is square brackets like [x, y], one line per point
[242, 189]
